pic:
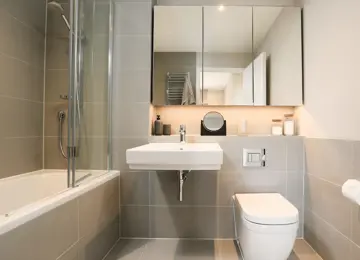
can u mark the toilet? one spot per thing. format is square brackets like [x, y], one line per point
[266, 226]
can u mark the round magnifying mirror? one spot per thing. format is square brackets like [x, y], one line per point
[213, 121]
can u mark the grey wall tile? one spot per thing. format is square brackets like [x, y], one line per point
[43, 238]
[326, 240]
[52, 110]
[92, 153]
[134, 188]
[95, 246]
[20, 155]
[331, 160]
[57, 50]
[57, 83]
[131, 120]
[133, 18]
[251, 180]
[119, 147]
[183, 222]
[200, 188]
[133, 53]
[99, 208]
[327, 201]
[355, 222]
[355, 252]
[134, 221]
[295, 154]
[20, 118]
[133, 86]
[275, 152]
[96, 86]
[53, 158]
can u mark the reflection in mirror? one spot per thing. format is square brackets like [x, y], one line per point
[213, 121]
[177, 55]
[227, 56]
[278, 52]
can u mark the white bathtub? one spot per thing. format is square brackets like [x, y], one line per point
[27, 196]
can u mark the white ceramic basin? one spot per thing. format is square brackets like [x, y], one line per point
[175, 156]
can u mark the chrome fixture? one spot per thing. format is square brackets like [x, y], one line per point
[58, 7]
[64, 97]
[182, 134]
[182, 179]
[61, 117]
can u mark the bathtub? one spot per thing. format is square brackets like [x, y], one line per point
[28, 196]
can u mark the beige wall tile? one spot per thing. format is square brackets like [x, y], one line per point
[43, 238]
[99, 208]
[53, 158]
[20, 155]
[337, 154]
[57, 83]
[52, 120]
[92, 153]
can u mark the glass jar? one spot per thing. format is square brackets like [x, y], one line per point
[289, 125]
[277, 127]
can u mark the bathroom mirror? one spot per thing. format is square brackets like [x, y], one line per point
[213, 121]
[177, 55]
[277, 50]
[227, 71]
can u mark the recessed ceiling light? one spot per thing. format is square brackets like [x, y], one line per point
[221, 8]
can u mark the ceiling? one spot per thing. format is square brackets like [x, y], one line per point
[179, 29]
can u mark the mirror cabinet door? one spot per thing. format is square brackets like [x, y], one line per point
[227, 69]
[277, 56]
[177, 55]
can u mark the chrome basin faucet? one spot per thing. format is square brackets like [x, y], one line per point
[182, 132]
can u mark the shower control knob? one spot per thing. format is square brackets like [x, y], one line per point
[64, 97]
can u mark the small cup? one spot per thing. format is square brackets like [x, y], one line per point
[167, 129]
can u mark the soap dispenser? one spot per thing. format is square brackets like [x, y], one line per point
[158, 126]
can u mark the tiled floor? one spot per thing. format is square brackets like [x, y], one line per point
[169, 249]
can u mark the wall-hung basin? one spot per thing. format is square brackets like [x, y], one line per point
[175, 156]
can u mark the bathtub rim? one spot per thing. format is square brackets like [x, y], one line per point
[38, 208]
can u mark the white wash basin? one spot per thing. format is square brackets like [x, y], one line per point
[175, 156]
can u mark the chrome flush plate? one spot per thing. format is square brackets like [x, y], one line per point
[254, 158]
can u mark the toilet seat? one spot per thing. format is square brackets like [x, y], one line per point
[267, 209]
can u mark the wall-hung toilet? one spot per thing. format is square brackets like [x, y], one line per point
[266, 226]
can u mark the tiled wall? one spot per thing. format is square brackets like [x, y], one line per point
[149, 199]
[94, 126]
[22, 34]
[83, 229]
[332, 223]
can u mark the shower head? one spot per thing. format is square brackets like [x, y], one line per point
[56, 6]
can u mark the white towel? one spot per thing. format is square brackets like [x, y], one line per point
[188, 93]
[351, 190]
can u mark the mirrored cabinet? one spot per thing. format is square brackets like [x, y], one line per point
[227, 56]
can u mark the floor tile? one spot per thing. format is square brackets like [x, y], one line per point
[128, 249]
[182, 249]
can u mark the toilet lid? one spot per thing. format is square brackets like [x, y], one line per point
[267, 209]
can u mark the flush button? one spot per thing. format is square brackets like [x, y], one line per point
[254, 157]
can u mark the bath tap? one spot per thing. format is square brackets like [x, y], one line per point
[182, 132]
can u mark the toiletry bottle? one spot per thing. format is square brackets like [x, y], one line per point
[277, 127]
[158, 126]
[289, 125]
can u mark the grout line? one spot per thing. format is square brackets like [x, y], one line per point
[22, 99]
[320, 178]
[329, 224]
[174, 206]
[111, 249]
